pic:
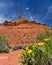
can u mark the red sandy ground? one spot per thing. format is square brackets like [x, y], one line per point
[10, 58]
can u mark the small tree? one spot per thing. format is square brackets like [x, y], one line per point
[3, 41]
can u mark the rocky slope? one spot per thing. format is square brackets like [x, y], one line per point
[21, 30]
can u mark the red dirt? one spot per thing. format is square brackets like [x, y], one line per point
[10, 58]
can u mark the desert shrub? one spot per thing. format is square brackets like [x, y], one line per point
[41, 36]
[6, 49]
[3, 44]
[10, 46]
[1, 49]
[22, 46]
[3, 41]
[15, 48]
[18, 47]
[39, 53]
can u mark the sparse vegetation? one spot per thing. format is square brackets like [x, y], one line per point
[6, 49]
[3, 41]
[10, 46]
[18, 47]
[39, 53]
[1, 49]
[3, 45]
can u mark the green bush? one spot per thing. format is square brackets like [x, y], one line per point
[22, 46]
[15, 48]
[18, 47]
[6, 49]
[1, 49]
[3, 44]
[10, 46]
[3, 41]
[39, 53]
[41, 36]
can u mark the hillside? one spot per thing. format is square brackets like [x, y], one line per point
[21, 30]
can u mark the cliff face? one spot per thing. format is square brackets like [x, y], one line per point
[21, 30]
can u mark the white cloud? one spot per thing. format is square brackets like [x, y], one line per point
[31, 17]
[27, 8]
[48, 13]
[2, 18]
[4, 5]
[3, 9]
[13, 16]
[49, 9]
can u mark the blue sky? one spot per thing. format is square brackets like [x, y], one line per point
[38, 10]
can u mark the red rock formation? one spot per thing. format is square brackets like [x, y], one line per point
[21, 30]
